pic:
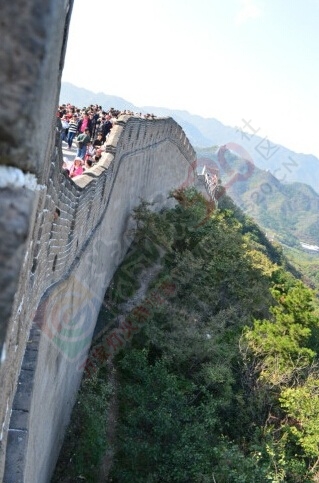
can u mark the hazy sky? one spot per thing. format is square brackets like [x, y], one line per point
[256, 60]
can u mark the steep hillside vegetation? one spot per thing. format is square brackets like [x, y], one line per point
[307, 264]
[213, 376]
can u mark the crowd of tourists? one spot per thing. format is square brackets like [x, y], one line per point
[89, 128]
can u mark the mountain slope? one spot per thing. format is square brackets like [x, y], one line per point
[285, 164]
[81, 97]
[290, 212]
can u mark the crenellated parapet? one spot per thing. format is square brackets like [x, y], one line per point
[81, 230]
[60, 239]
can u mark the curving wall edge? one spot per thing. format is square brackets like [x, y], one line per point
[33, 43]
[69, 267]
[55, 270]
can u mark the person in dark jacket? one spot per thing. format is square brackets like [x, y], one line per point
[99, 140]
[106, 128]
[82, 141]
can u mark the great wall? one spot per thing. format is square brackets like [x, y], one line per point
[55, 269]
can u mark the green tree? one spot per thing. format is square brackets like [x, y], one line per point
[284, 345]
[301, 405]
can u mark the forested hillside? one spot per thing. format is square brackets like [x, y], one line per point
[289, 212]
[215, 376]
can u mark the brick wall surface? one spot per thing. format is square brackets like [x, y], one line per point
[70, 265]
[54, 272]
[33, 43]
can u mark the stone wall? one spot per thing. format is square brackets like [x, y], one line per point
[69, 266]
[55, 269]
[33, 42]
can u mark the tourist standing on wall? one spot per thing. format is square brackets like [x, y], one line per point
[94, 117]
[106, 127]
[82, 141]
[73, 129]
[65, 128]
[85, 123]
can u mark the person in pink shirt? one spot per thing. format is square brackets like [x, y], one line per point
[76, 169]
[85, 123]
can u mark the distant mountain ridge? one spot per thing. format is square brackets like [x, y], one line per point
[284, 164]
[81, 97]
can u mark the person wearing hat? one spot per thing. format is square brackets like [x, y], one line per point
[82, 141]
